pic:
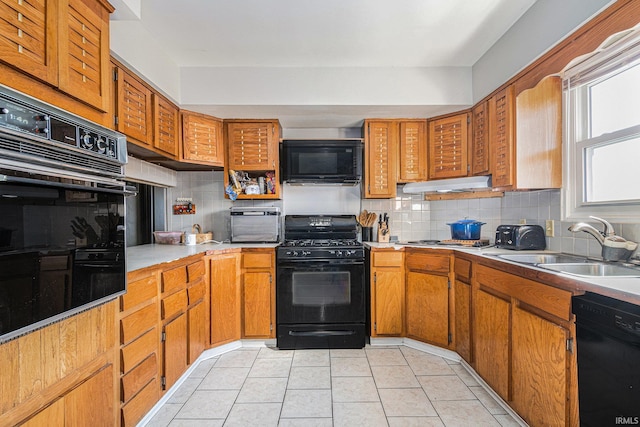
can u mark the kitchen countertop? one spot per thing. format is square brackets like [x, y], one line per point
[623, 288]
[147, 255]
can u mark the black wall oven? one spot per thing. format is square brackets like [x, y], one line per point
[320, 287]
[62, 237]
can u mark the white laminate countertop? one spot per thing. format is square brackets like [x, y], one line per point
[147, 255]
[624, 288]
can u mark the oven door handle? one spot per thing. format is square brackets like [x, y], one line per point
[325, 333]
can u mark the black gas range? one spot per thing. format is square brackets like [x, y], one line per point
[320, 292]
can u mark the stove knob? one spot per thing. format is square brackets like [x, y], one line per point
[339, 253]
[4, 110]
[305, 253]
[295, 253]
[288, 253]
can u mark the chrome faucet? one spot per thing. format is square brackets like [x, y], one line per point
[614, 248]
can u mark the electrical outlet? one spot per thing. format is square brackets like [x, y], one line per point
[549, 228]
[522, 221]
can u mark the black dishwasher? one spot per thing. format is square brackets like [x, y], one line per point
[608, 336]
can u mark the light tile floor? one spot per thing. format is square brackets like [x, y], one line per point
[374, 386]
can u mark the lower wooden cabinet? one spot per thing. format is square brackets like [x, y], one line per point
[387, 293]
[174, 350]
[428, 296]
[258, 293]
[462, 307]
[224, 270]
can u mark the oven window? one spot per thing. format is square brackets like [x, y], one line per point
[321, 288]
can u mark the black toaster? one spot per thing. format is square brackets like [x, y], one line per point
[520, 237]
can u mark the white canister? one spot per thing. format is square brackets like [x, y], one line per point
[190, 239]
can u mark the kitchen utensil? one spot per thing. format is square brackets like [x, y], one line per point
[466, 229]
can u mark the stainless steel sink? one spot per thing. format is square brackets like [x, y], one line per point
[543, 258]
[593, 269]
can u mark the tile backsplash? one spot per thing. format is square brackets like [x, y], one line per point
[411, 217]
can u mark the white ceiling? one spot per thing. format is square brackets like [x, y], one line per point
[325, 33]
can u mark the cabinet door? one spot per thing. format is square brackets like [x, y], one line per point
[225, 298]
[135, 116]
[202, 139]
[52, 415]
[540, 370]
[448, 145]
[166, 126]
[380, 160]
[428, 308]
[29, 37]
[480, 152]
[252, 146]
[174, 350]
[92, 402]
[413, 151]
[491, 341]
[388, 302]
[84, 52]
[502, 131]
[197, 317]
[539, 135]
[462, 295]
[257, 304]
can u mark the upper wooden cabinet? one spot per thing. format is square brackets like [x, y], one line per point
[379, 159]
[62, 43]
[539, 135]
[253, 147]
[134, 107]
[479, 151]
[502, 136]
[166, 126]
[202, 140]
[448, 146]
[412, 156]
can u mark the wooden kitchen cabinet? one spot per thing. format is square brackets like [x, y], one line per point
[225, 297]
[387, 292]
[258, 293]
[462, 269]
[174, 350]
[253, 147]
[380, 167]
[166, 135]
[480, 144]
[502, 137]
[202, 139]
[412, 156]
[428, 296]
[134, 107]
[63, 43]
[448, 146]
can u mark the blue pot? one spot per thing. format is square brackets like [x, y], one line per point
[466, 229]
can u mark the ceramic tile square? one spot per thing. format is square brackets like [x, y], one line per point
[445, 387]
[254, 414]
[306, 422]
[406, 402]
[311, 358]
[196, 423]
[208, 404]
[350, 367]
[429, 365]
[307, 404]
[412, 352]
[415, 422]
[164, 415]
[464, 413]
[310, 377]
[507, 421]
[186, 389]
[354, 389]
[274, 353]
[224, 379]
[394, 377]
[385, 357]
[489, 402]
[237, 359]
[344, 352]
[270, 368]
[203, 368]
[359, 414]
[464, 375]
[262, 390]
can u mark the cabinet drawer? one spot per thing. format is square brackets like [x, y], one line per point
[139, 405]
[135, 352]
[138, 322]
[138, 292]
[196, 292]
[140, 376]
[462, 268]
[174, 279]
[256, 260]
[387, 259]
[428, 262]
[174, 304]
[195, 271]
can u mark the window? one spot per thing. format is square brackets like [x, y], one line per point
[602, 129]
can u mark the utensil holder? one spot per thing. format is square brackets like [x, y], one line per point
[383, 235]
[367, 234]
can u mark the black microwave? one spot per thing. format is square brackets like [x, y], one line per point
[322, 161]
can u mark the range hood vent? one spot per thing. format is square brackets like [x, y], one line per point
[448, 185]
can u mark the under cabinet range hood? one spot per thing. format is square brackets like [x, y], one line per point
[448, 185]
